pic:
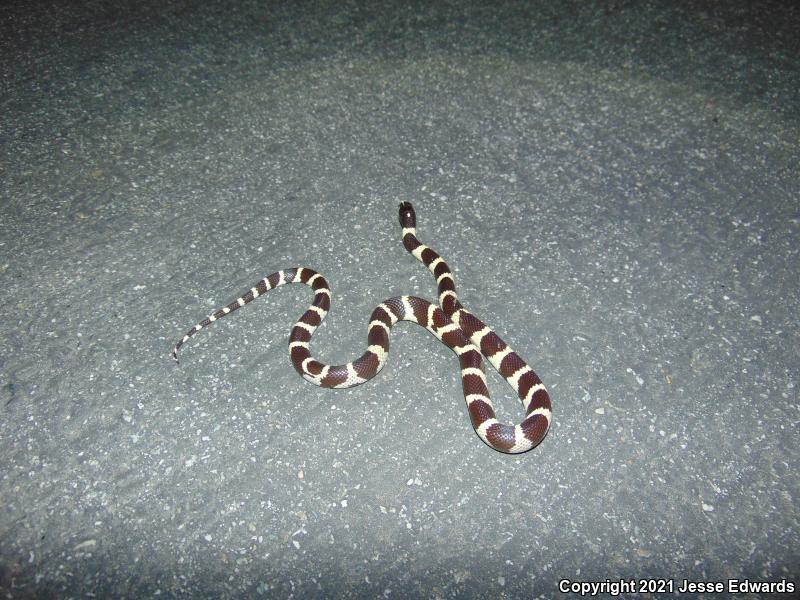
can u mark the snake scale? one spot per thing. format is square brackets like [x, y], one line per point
[450, 322]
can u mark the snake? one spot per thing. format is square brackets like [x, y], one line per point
[449, 321]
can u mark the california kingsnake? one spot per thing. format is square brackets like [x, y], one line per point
[456, 327]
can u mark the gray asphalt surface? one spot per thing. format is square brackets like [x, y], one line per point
[616, 187]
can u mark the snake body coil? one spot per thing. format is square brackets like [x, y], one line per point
[450, 322]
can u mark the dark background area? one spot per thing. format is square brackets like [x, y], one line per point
[614, 184]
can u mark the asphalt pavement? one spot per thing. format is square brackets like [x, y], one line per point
[615, 185]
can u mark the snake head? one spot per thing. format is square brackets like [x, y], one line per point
[407, 216]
